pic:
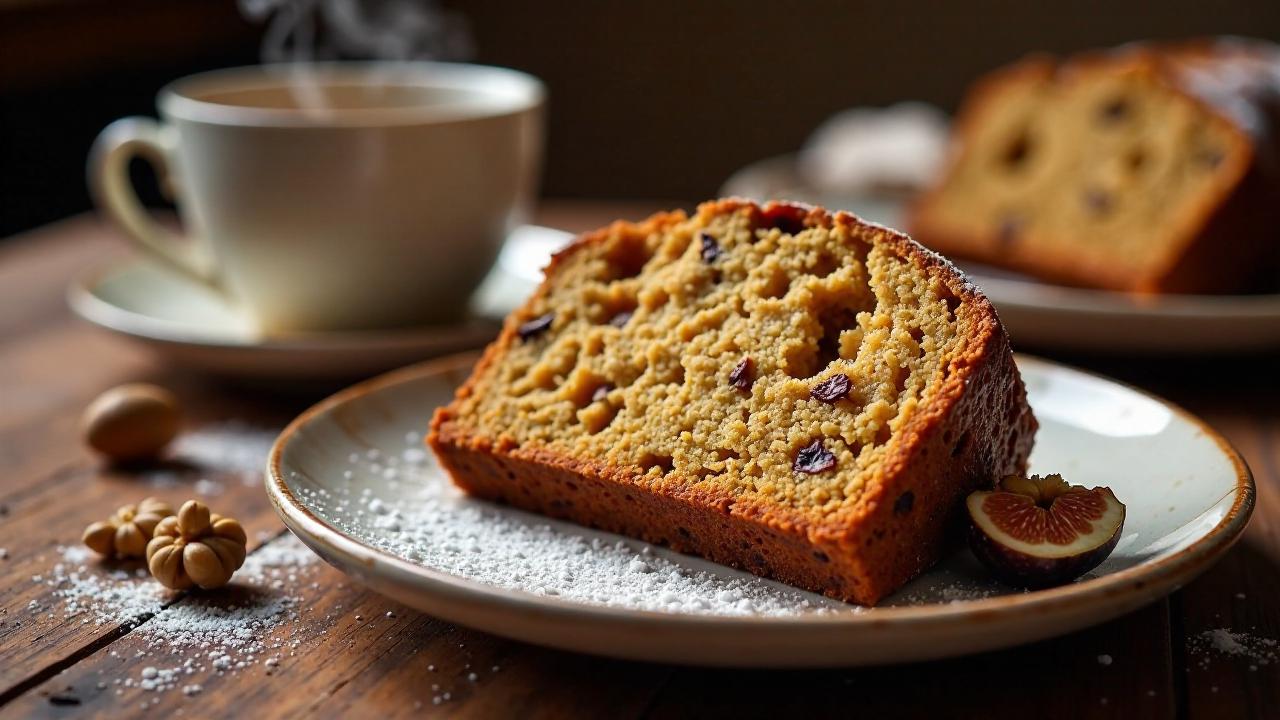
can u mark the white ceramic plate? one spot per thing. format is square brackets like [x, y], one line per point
[1053, 316]
[193, 326]
[349, 477]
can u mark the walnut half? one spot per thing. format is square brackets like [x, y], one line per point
[126, 533]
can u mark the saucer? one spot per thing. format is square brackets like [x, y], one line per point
[192, 326]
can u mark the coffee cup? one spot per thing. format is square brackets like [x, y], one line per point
[333, 196]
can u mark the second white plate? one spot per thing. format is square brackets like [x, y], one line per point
[1042, 315]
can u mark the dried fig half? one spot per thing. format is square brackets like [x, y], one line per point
[1041, 531]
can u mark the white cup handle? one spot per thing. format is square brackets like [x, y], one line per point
[117, 144]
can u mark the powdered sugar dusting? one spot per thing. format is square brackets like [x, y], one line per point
[1257, 650]
[121, 596]
[193, 636]
[400, 502]
[953, 591]
[232, 447]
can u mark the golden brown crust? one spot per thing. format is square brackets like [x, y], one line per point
[1226, 242]
[977, 427]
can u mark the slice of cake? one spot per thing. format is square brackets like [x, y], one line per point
[1147, 168]
[802, 395]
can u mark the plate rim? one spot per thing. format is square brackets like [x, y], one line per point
[1144, 581]
[1067, 300]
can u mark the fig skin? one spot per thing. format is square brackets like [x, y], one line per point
[1019, 569]
[1026, 570]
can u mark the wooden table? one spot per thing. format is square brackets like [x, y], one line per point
[51, 364]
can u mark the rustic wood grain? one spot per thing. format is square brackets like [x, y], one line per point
[37, 524]
[51, 365]
[354, 660]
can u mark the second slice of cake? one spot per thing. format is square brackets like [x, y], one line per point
[802, 395]
[1147, 168]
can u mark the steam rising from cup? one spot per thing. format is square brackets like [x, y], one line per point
[299, 32]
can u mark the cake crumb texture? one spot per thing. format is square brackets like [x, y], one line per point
[676, 380]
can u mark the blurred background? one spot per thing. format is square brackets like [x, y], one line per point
[661, 99]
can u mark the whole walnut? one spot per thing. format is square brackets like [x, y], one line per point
[196, 548]
[131, 422]
[126, 533]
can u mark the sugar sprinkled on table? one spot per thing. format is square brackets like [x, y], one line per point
[1225, 642]
[232, 447]
[198, 633]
